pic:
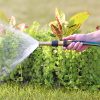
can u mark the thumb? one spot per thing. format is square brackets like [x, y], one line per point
[71, 37]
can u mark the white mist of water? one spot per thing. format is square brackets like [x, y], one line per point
[15, 46]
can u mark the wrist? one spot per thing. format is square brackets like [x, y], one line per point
[94, 36]
[88, 37]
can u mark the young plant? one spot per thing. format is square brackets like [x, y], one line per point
[61, 27]
[12, 23]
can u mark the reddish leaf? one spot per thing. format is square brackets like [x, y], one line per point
[59, 25]
[56, 31]
[21, 26]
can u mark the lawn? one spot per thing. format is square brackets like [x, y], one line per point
[29, 92]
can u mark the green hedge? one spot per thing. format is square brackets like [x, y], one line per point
[55, 67]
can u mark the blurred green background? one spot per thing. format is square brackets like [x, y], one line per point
[43, 10]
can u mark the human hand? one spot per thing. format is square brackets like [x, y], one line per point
[78, 46]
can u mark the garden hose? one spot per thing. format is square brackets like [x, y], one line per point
[65, 43]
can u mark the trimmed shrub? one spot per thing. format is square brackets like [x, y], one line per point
[53, 66]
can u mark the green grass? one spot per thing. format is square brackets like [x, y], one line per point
[29, 92]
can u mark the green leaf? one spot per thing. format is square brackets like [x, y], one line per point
[70, 30]
[79, 18]
[3, 17]
[64, 27]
